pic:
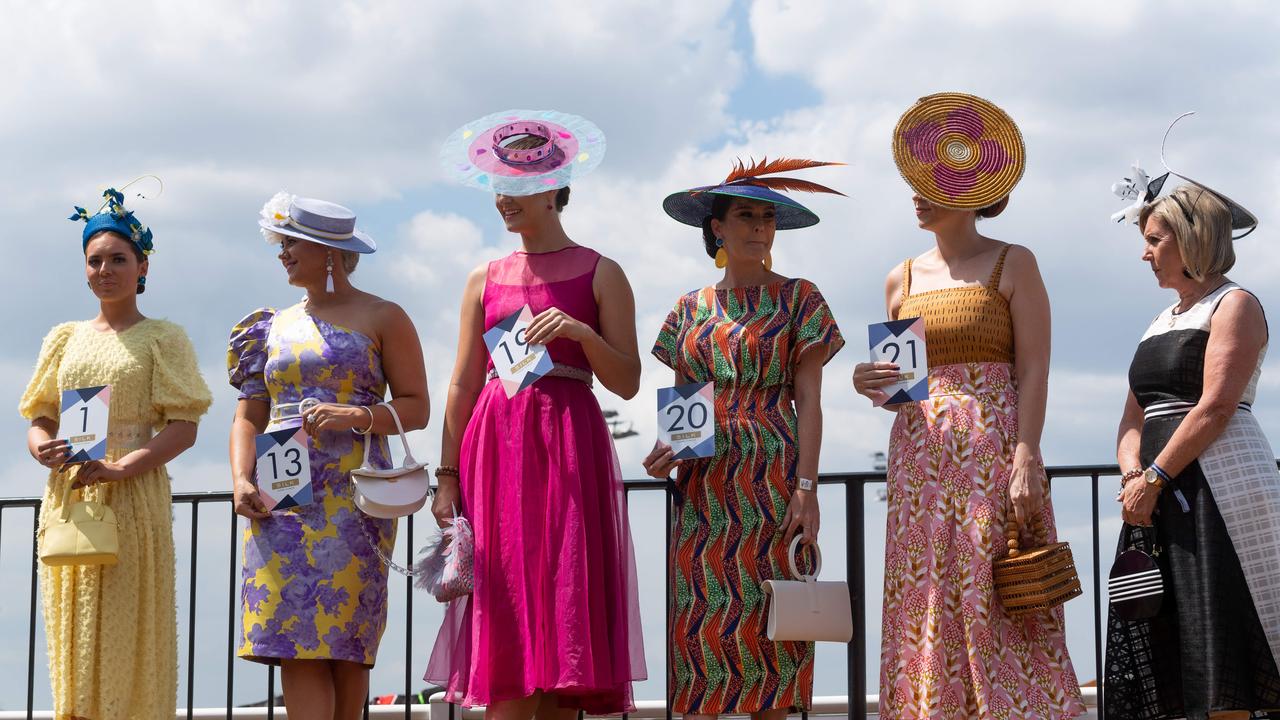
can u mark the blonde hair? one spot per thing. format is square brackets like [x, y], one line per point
[350, 258]
[1201, 223]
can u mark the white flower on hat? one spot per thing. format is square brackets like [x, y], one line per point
[276, 212]
[1132, 188]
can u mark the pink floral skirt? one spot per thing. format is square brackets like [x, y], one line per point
[949, 650]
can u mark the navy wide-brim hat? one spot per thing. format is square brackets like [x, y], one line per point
[693, 206]
[320, 222]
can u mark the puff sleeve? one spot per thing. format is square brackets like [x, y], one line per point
[666, 347]
[247, 355]
[43, 397]
[812, 324]
[178, 390]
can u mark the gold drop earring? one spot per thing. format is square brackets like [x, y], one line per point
[768, 262]
[722, 257]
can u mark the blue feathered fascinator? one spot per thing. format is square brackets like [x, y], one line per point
[113, 216]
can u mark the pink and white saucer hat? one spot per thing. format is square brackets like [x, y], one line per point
[523, 152]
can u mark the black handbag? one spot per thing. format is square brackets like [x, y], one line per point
[1135, 586]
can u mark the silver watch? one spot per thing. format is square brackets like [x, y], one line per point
[805, 483]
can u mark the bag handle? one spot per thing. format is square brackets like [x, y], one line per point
[1011, 531]
[404, 439]
[791, 560]
[65, 510]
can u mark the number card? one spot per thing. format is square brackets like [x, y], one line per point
[518, 363]
[686, 419]
[85, 413]
[284, 469]
[902, 342]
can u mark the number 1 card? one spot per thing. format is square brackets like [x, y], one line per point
[284, 469]
[518, 363]
[85, 412]
[686, 419]
[902, 342]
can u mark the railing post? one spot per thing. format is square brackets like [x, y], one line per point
[408, 622]
[31, 634]
[1097, 598]
[670, 506]
[191, 610]
[855, 561]
[231, 616]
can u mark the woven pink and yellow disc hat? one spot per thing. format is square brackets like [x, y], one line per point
[959, 151]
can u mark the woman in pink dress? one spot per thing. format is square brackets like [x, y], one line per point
[552, 625]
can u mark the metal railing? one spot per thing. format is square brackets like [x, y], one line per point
[854, 485]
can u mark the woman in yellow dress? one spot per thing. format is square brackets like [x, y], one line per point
[112, 629]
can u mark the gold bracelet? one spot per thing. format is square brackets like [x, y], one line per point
[369, 429]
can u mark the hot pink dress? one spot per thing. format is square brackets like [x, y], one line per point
[555, 607]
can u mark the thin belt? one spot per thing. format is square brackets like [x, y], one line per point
[291, 410]
[1170, 408]
[128, 436]
[561, 371]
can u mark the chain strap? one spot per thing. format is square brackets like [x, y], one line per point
[377, 550]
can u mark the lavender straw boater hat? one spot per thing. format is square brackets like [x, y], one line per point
[316, 221]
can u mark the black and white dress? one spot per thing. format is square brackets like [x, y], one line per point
[1214, 646]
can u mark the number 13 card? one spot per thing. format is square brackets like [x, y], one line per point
[902, 342]
[284, 469]
[686, 420]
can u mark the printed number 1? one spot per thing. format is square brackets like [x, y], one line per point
[84, 419]
[519, 340]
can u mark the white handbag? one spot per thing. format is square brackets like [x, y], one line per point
[392, 492]
[806, 609]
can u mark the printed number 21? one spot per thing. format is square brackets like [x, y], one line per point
[898, 351]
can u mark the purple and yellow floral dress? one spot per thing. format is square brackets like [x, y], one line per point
[314, 589]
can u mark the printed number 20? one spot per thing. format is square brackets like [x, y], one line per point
[696, 415]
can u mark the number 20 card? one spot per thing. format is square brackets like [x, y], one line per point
[686, 419]
[902, 342]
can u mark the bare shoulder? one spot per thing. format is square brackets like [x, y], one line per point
[388, 316]
[1240, 305]
[1020, 257]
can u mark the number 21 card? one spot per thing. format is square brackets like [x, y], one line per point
[518, 363]
[686, 420]
[84, 416]
[902, 342]
[284, 468]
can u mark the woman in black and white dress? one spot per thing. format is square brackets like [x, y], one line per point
[1203, 477]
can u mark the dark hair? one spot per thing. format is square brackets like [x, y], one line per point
[719, 208]
[994, 208]
[137, 253]
[529, 142]
[562, 198]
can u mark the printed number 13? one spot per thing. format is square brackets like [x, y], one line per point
[898, 351]
[294, 456]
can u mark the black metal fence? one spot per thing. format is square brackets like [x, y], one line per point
[854, 485]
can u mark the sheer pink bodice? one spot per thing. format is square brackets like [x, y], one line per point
[561, 279]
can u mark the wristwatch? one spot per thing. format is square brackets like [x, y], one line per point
[1153, 478]
[805, 483]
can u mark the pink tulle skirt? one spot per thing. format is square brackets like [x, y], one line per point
[555, 606]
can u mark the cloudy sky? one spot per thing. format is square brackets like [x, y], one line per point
[231, 102]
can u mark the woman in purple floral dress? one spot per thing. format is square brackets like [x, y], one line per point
[314, 598]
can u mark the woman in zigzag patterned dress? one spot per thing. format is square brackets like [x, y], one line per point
[763, 339]
[965, 462]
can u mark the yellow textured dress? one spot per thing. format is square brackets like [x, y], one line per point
[112, 630]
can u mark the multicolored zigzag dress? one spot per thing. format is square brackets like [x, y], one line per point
[749, 341]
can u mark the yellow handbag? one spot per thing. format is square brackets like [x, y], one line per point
[84, 533]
